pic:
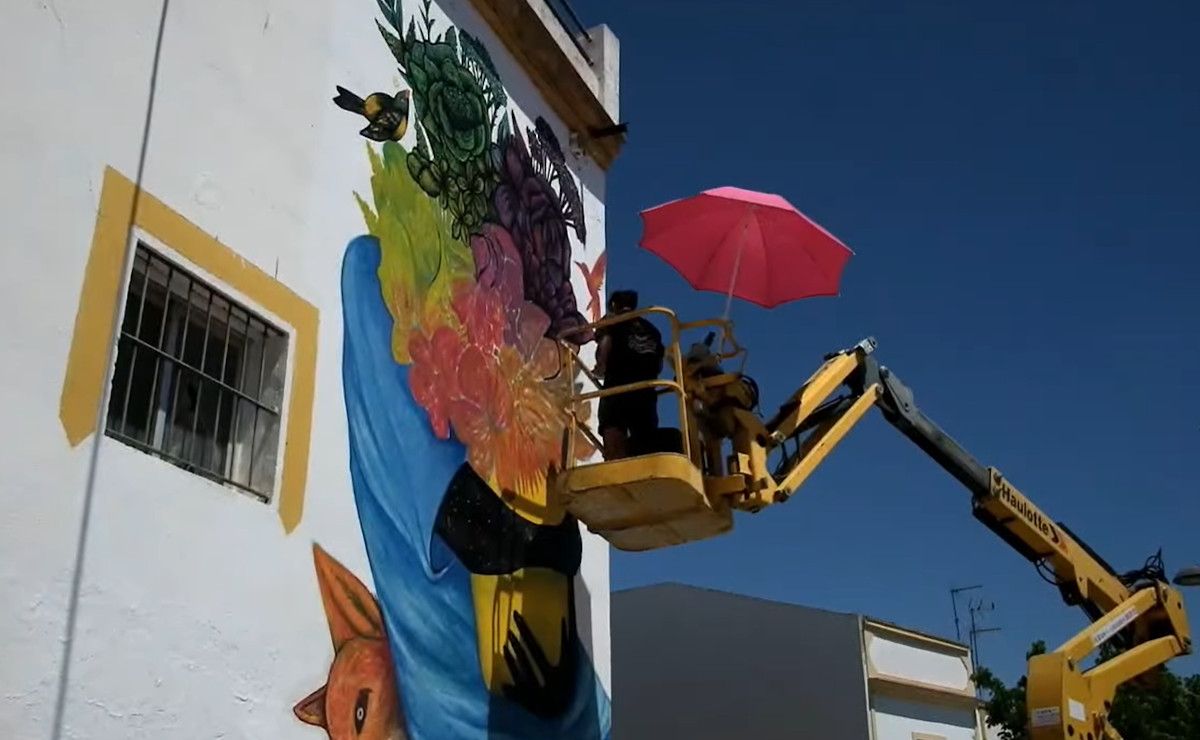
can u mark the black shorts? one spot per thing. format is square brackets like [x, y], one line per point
[634, 413]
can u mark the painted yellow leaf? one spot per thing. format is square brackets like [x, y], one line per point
[420, 260]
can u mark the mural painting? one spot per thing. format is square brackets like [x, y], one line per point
[387, 115]
[359, 699]
[593, 277]
[455, 397]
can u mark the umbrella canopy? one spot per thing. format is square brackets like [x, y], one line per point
[743, 243]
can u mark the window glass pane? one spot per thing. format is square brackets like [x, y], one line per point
[201, 433]
[152, 311]
[254, 359]
[243, 432]
[185, 397]
[137, 405]
[174, 328]
[276, 371]
[133, 300]
[266, 445]
[161, 384]
[235, 361]
[196, 332]
[217, 337]
[126, 349]
[218, 455]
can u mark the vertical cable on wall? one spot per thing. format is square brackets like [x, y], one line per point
[60, 702]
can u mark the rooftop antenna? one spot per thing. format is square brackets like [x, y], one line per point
[954, 592]
[979, 607]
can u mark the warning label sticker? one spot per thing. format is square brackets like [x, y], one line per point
[1045, 716]
[1121, 622]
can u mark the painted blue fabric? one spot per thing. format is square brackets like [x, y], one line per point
[399, 471]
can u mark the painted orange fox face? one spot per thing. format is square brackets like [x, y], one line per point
[359, 700]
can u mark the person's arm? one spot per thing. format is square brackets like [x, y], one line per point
[603, 347]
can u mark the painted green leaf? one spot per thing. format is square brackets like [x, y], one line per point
[391, 11]
[393, 42]
[474, 51]
[421, 259]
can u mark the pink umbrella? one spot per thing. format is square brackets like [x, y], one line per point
[755, 246]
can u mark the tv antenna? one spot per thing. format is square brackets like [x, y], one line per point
[976, 608]
[954, 592]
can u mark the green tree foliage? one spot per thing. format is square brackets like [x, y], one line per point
[1005, 705]
[1159, 706]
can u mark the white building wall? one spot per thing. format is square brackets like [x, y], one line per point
[920, 687]
[908, 660]
[199, 615]
[898, 719]
[51, 184]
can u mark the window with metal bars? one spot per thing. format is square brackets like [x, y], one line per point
[199, 378]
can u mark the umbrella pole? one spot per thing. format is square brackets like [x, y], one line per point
[737, 264]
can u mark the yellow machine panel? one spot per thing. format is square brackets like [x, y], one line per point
[644, 503]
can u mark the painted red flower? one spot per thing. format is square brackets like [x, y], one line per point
[494, 379]
[482, 413]
[432, 377]
[481, 313]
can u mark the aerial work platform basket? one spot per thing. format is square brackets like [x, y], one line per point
[667, 492]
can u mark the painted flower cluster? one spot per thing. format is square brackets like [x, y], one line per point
[474, 224]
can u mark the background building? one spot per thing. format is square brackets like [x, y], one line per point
[695, 663]
[272, 272]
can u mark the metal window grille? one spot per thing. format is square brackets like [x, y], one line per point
[199, 378]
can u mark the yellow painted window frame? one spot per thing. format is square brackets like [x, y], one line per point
[102, 292]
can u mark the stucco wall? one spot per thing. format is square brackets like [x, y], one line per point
[200, 610]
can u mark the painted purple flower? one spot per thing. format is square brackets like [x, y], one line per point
[498, 268]
[528, 206]
[498, 262]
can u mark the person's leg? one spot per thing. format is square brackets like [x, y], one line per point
[612, 427]
[615, 442]
[642, 418]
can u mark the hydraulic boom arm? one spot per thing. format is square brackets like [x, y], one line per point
[655, 499]
[1138, 611]
[1083, 578]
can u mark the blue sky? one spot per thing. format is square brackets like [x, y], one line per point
[1019, 184]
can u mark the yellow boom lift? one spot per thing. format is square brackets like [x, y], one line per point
[718, 461]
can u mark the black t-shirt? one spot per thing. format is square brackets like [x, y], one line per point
[636, 353]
